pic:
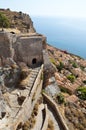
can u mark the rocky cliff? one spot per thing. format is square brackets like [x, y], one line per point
[63, 75]
[70, 75]
[19, 20]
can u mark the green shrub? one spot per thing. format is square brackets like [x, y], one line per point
[63, 89]
[4, 22]
[82, 92]
[71, 77]
[84, 81]
[60, 66]
[74, 65]
[60, 98]
[82, 67]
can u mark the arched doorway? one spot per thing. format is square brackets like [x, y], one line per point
[34, 61]
[12, 32]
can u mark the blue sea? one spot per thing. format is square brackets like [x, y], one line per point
[64, 33]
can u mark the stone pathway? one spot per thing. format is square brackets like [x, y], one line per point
[52, 118]
[33, 75]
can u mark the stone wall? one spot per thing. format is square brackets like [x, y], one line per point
[45, 125]
[22, 48]
[29, 50]
[41, 124]
[6, 41]
[52, 104]
[39, 118]
[49, 70]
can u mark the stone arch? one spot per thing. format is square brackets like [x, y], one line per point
[12, 32]
[34, 61]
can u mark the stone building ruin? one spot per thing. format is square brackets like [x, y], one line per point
[27, 48]
[21, 99]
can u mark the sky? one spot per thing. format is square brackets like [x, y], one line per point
[64, 8]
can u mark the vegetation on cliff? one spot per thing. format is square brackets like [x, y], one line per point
[70, 74]
[4, 21]
[17, 20]
[82, 92]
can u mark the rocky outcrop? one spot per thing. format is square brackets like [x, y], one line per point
[6, 45]
[19, 20]
[70, 75]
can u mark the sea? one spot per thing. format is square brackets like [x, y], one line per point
[65, 33]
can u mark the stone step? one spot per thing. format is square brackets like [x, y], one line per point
[30, 82]
[31, 79]
[36, 70]
[30, 85]
[34, 73]
[33, 76]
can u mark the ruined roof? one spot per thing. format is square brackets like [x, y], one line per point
[72, 99]
[31, 35]
[22, 35]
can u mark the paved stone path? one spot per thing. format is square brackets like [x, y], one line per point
[33, 76]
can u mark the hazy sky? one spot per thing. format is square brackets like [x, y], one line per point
[72, 8]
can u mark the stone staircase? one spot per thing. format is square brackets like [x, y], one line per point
[33, 76]
[13, 100]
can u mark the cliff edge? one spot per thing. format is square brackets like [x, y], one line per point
[19, 20]
[41, 87]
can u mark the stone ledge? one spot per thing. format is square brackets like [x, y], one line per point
[45, 125]
[55, 108]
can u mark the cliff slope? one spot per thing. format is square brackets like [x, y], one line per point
[70, 75]
[19, 20]
[63, 74]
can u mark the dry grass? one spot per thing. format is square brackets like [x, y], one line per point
[76, 117]
[24, 83]
[24, 77]
[24, 73]
[29, 124]
[50, 125]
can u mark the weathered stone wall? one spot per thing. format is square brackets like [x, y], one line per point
[29, 50]
[51, 103]
[49, 70]
[39, 118]
[45, 125]
[22, 48]
[6, 41]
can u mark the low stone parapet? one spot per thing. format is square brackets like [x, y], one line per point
[39, 118]
[54, 106]
[45, 125]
